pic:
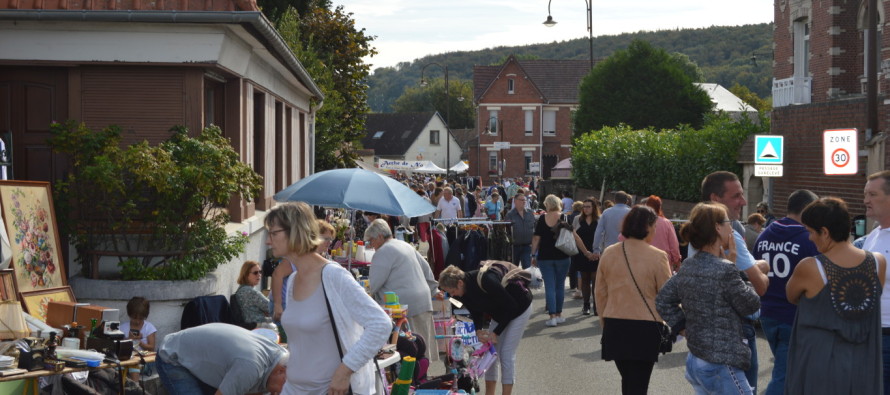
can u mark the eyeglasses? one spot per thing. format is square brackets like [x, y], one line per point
[275, 232]
[255, 272]
[725, 221]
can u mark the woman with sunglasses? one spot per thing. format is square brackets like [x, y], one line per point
[334, 329]
[708, 294]
[254, 306]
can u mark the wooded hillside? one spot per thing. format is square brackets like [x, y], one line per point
[724, 54]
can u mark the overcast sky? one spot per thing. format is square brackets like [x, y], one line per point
[410, 29]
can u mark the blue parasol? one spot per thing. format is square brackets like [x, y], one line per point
[359, 190]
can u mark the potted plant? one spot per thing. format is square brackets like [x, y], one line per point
[159, 210]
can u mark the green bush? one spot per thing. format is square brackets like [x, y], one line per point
[669, 163]
[159, 209]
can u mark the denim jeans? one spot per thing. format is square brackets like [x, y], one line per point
[751, 336]
[522, 255]
[710, 378]
[885, 352]
[178, 380]
[554, 274]
[778, 335]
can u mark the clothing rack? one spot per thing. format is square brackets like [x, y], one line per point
[505, 226]
[471, 221]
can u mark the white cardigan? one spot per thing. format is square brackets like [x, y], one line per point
[362, 324]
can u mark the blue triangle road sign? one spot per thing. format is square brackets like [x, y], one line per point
[769, 149]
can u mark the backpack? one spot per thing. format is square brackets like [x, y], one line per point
[509, 273]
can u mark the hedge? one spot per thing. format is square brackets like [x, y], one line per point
[669, 163]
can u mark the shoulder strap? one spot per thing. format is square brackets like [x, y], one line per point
[481, 273]
[821, 268]
[627, 261]
[334, 323]
[331, 314]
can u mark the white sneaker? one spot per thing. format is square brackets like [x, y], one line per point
[551, 322]
[560, 320]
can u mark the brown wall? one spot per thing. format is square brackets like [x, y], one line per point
[802, 127]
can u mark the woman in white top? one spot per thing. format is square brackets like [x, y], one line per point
[318, 290]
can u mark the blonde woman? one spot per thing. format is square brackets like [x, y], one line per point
[334, 329]
[554, 264]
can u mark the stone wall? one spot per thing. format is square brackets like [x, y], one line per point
[168, 298]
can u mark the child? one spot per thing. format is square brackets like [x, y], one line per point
[138, 329]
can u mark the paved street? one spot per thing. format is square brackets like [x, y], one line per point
[566, 359]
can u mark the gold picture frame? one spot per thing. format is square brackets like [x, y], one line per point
[30, 221]
[8, 287]
[37, 302]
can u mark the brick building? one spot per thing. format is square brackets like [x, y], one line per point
[819, 83]
[527, 104]
[147, 66]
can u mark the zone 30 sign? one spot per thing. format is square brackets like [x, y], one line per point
[841, 151]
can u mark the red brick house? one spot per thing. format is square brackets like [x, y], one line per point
[149, 65]
[819, 84]
[528, 105]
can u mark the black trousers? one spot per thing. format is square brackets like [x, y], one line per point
[634, 376]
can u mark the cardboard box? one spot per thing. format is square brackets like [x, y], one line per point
[86, 313]
[59, 314]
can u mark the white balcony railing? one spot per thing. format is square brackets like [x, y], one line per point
[794, 90]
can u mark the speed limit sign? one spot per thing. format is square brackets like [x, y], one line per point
[841, 151]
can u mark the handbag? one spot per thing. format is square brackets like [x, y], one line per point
[565, 240]
[665, 340]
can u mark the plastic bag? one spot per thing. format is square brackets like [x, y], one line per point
[537, 279]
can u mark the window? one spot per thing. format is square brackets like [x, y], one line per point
[529, 122]
[434, 137]
[549, 122]
[492, 160]
[510, 85]
[801, 48]
[492, 122]
[528, 161]
[378, 135]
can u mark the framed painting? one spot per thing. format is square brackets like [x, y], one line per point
[8, 288]
[37, 302]
[30, 222]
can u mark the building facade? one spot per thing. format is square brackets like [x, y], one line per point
[148, 66]
[524, 116]
[411, 137]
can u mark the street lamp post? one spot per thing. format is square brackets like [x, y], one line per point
[447, 115]
[550, 23]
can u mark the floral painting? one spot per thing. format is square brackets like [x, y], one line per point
[36, 303]
[33, 235]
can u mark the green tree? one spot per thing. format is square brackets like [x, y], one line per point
[689, 67]
[329, 46]
[642, 87]
[762, 105]
[432, 98]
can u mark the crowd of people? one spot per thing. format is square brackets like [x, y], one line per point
[712, 281]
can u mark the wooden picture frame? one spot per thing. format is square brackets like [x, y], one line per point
[30, 222]
[37, 302]
[8, 287]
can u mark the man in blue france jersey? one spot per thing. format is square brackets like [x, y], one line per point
[783, 245]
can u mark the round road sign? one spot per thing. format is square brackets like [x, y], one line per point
[840, 157]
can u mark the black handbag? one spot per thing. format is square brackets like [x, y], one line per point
[666, 341]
